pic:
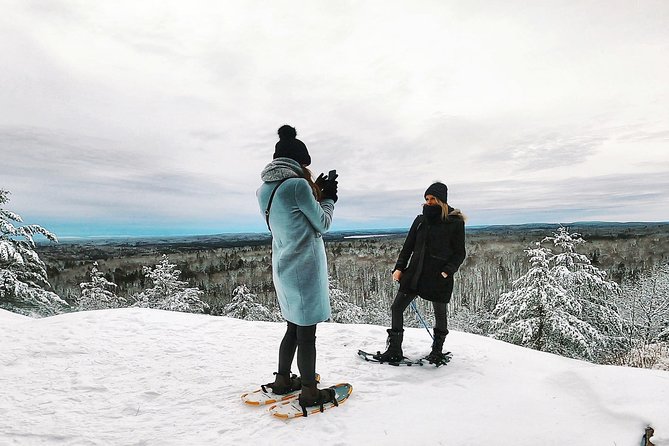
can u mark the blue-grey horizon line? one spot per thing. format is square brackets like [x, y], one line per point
[368, 231]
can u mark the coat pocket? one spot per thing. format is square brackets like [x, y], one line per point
[440, 262]
[442, 258]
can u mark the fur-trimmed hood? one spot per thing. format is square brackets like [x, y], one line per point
[280, 169]
[456, 214]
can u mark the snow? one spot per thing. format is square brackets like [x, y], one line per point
[9, 316]
[149, 377]
[367, 236]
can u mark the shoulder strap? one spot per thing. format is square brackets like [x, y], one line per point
[269, 205]
[420, 219]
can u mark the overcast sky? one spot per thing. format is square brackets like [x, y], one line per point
[156, 117]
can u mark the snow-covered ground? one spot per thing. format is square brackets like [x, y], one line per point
[149, 377]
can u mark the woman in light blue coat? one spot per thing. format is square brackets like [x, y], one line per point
[298, 211]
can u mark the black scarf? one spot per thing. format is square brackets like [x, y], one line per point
[432, 213]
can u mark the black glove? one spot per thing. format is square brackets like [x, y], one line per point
[320, 182]
[330, 189]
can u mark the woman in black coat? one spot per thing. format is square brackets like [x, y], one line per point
[432, 253]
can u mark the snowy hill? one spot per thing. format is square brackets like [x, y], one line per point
[136, 376]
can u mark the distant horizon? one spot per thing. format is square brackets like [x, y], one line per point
[176, 233]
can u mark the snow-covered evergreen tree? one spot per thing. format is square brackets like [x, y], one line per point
[589, 285]
[98, 294]
[23, 277]
[540, 313]
[168, 292]
[245, 305]
[343, 311]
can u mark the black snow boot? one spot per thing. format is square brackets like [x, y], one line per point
[313, 396]
[284, 383]
[436, 356]
[394, 351]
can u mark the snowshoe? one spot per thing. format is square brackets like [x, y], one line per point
[283, 384]
[438, 359]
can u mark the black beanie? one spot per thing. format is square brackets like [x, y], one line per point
[291, 147]
[438, 190]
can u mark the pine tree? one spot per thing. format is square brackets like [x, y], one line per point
[589, 285]
[343, 311]
[244, 305]
[23, 277]
[168, 292]
[539, 313]
[97, 294]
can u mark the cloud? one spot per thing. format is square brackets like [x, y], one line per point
[640, 135]
[91, 176]
[31, 147]
[614, 198]
[548, 151]
[127, 110]
[627, 197]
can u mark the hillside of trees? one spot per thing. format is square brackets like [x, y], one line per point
[360, 266]
[600, 294]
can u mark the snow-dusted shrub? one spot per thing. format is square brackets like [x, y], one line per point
[375, 315]
[23, 277]
[645, 305]
[245, 305]
[663, 360]
[648, 356]
[343, 311]
[464, 319]
[98, 294]
[168, 292]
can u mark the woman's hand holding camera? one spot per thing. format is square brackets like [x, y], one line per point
[320, 181]
[328, 186]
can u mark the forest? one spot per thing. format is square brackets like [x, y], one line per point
[360, 265]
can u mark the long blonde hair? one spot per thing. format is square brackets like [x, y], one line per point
[306, 173]
[445, 210]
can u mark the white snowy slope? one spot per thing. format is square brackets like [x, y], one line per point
[148, 377]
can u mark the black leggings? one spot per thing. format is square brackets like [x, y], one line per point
[402, 301]
[302, 339]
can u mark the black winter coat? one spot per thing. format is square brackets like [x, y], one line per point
[430, 249]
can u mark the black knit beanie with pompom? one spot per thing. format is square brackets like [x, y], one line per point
[291, 147]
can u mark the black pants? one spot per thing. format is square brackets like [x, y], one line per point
[302, 339]
[402, 301]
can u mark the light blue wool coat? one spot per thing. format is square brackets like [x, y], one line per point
[299, 264]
